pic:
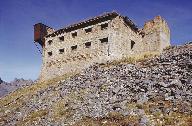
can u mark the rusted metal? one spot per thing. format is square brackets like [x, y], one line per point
[40, 31]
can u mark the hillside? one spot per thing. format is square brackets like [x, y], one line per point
[155, 91]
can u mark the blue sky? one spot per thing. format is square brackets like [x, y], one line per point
[19, 56]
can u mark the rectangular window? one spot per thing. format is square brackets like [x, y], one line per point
[50, 42]
[61, 38]
[61, 51]
[104, 26]
[74, 34]
[104, 40]
[74, 47]
[49, 53]
[132, 44]
[88, 44]
[88, 30]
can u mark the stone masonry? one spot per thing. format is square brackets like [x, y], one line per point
[107, 37]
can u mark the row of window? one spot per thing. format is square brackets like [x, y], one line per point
[74, 34]
[73, 48]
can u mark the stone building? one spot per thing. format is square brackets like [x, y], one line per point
[103, 38]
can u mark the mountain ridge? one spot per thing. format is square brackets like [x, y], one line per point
[6, 88]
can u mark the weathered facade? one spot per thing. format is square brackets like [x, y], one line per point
[103, 38]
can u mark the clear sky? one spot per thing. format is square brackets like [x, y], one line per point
[19, 56]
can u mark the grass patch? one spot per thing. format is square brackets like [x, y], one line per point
[113, 119]
[61, 110]
[33, 116]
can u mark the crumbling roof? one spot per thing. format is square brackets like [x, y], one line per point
[95, 20]
[130, 23]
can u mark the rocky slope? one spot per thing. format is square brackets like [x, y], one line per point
[6, 88]
[155, 91]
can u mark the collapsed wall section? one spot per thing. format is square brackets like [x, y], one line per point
[156, 35]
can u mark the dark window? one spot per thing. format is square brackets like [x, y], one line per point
[132, 44]
[88, 44]
[88, 30]
[49, 42]
[74, 47]
[61, 51]
[104, 26]
[61, 38]
[53, 35]
[104, 40]
[50, 53]
[74, 34]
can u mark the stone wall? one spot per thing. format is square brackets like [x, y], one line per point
[81, 57]
[123, 35]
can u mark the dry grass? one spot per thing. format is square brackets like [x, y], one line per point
[113, 119]
[32, 117]
[132, 59]
[61, 110]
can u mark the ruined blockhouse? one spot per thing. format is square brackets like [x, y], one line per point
[107, 37]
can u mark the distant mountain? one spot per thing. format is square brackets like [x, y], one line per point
[6, 87]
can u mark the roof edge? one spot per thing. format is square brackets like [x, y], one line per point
[106, 15]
